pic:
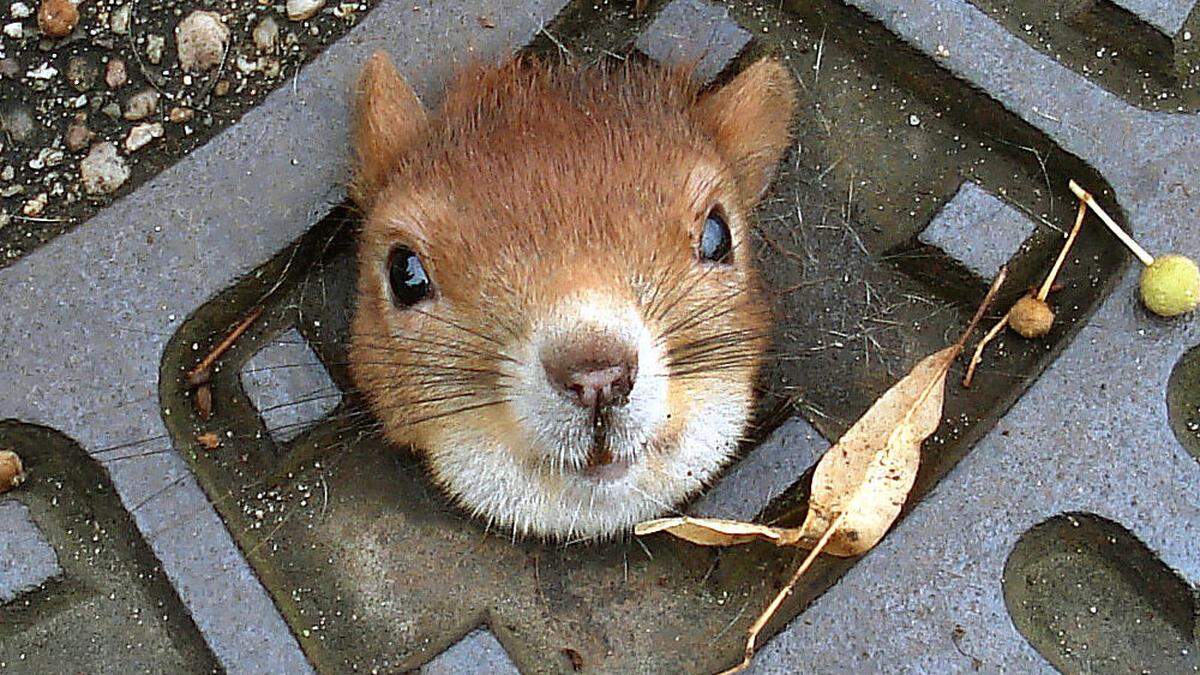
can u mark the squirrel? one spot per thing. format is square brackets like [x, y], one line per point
[557, 304]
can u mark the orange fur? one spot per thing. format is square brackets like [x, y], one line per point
[533, 184]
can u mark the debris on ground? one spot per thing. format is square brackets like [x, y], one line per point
[12, 472]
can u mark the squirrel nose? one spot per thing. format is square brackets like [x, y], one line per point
[593, 370]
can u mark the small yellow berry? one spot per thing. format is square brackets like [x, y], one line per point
[1171, 285]
[1030, 317]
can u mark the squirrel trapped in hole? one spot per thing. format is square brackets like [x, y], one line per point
[557, 305]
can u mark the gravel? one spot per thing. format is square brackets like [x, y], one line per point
[299, 10]
[103, 171]
[201, 40]
[141, 105]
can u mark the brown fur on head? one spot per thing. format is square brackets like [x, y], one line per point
[584, 353]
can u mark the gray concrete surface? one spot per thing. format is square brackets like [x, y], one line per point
[979, 230]
[478, 652]
[1165, 15]
[694, 32]
[1091, 435]
[99, 321]
[289, 386]
[764, 473]
[26, 559]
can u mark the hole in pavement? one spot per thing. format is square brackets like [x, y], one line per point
[373, 568]
[1183, 401]
[1090, 597]
[112, 608]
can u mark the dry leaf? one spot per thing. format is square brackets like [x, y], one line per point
[209, 441]
[861, 483]
[866, 477]
[718, 532]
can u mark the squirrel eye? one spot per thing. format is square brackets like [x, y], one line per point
[410, 284]
[716, 242]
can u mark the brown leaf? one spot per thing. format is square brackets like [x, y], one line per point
[868, 474]
[639, 6]
[209, 441]
[204, 402]
[717, 532]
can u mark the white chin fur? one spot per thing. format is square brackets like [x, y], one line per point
[535, 485]
[489, 479]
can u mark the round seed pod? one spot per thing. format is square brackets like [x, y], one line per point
[1031, 318]
[1171, 285]
[12, 473]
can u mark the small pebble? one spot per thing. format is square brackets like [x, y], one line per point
[154, 48]
[20, 10]
[115, 75]
[299, 10]
[10, 68]
[82, 73]
[78, 134]
[141, 105]
[266, 34]
[142, 134]
[201, 40]
[14, 30]
[221, 88]
[34, 207]
[57, 18]
[179, 115]
[118, 22]
[103, 171]
[18, 122]
[112, 109]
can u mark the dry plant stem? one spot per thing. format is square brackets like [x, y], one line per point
[1087, 198]
[978, 355]
[983, 306]
[200, 373]
[1044, 291]
[761, 622]
[1042, 294]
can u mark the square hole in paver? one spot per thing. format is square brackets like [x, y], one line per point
[979, 230]
[694, 31]
[770, 468]
[26, 560]
[289, 386]
[478, 652]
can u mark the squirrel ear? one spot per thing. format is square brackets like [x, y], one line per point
[388, 117]
[750, 118]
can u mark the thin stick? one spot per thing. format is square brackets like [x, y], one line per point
[1087, 198]
[763, 618]
[978, 355]
[198, 375]
[1062, 255]
[983, 306]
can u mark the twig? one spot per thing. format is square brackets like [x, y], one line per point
[761, 622]
[1043, 292]
[983, 306]
[1062, 255]
[978, 355]
[1087, 198]
[200, 374]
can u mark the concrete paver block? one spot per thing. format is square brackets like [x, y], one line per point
[478, 652]
[26, 558]
[979, 230]
[764, 473]
[694, 31]
[289, 386]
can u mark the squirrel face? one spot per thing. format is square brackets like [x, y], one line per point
[557, 305]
